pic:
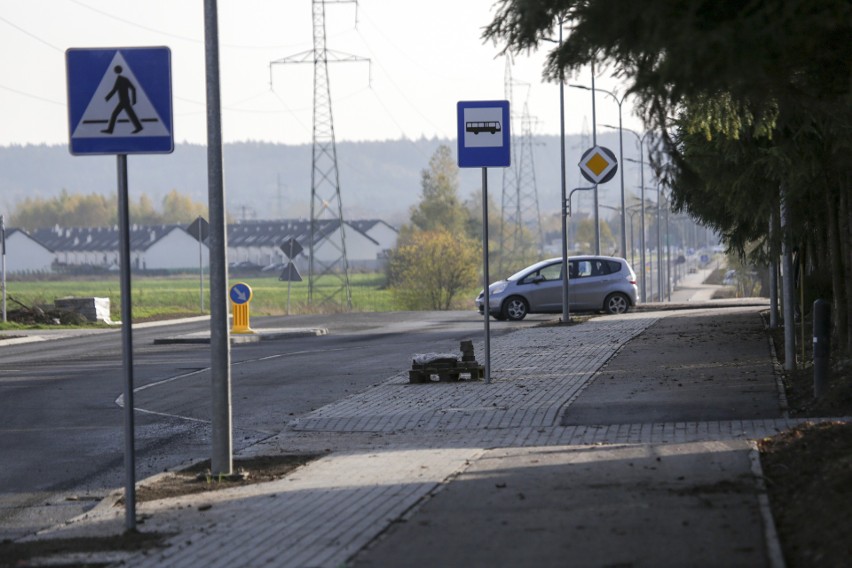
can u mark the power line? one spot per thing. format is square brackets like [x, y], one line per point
[176, 36]
[31, 96]
[32, 35]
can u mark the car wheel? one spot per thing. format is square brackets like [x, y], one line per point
[616, 304]
[515, 308]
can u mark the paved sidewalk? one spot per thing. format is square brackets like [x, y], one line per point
[475, 474]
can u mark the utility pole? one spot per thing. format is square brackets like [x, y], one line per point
[509, 204]
[222, 454]
[527, 189]
[595, 143]
[326, 204]
[520, 213]
[3, 265]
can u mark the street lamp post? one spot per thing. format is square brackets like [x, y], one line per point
[641, 141]
[566, 311]
[594, 143]
[668, 257]
[632, 211]
[659, 246]
[620, 156]
[618, 210]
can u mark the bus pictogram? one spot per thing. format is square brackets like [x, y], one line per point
[491, 127]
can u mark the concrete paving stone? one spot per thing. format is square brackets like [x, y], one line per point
[669, 435]
[555, 436]
[410, 460]
[524, 436]
[374, 398]
[633, 433]
[518, 436]
[323, 539]
[366, 530]
[621, 431]
[371, 488]
[563, 509]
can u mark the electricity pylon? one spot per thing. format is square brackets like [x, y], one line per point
[519, 204]
[529, 237]
[325, 179]
[509, 197]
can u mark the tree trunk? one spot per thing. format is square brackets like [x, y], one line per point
[788, 285]
[844, 293]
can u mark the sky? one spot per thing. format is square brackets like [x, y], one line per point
[424, 57]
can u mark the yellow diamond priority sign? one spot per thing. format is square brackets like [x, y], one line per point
[598, 164]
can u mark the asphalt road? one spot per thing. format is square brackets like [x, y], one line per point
[61, 426]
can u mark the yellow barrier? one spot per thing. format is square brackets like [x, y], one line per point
[241, 319]
[241, 295]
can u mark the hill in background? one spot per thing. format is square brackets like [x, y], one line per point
[269, 181]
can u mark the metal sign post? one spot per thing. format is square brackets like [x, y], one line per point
[120, 102]
[483, 142]
[3, 264]
[566, 273]
[126, 344]
[290, 273]
[486, 299]
[199, 229]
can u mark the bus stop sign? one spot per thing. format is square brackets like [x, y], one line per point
[483, 134]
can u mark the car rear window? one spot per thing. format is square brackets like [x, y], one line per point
[594, 267]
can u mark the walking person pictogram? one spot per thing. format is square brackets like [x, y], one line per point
[126, 99]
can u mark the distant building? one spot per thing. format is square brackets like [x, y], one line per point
[154, 247]
[171, 247]
[25, 254]
[259, 242]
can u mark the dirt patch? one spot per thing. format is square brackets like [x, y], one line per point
[808, 470]
[4, 337]
[808, 473]
[188, 481]
[15, 554]
[197, 478]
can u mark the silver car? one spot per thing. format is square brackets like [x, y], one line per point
[596, 283]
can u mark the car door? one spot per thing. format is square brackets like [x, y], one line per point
[543, 289]
[580, 285]
[592, 285]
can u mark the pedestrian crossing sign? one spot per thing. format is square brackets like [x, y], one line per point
[120, 100]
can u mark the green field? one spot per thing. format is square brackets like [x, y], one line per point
[180, 296]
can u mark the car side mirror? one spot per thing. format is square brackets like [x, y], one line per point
[538, 279]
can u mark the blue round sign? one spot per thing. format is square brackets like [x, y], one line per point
[240, 293]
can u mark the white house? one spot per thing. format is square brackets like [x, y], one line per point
[173, 249]
[379, 231]
[26, 254]
[152, 247]
[259, 243]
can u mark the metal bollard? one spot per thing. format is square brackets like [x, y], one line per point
[822, 346]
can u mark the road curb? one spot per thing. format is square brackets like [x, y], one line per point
[259, 335]
[773, 543]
